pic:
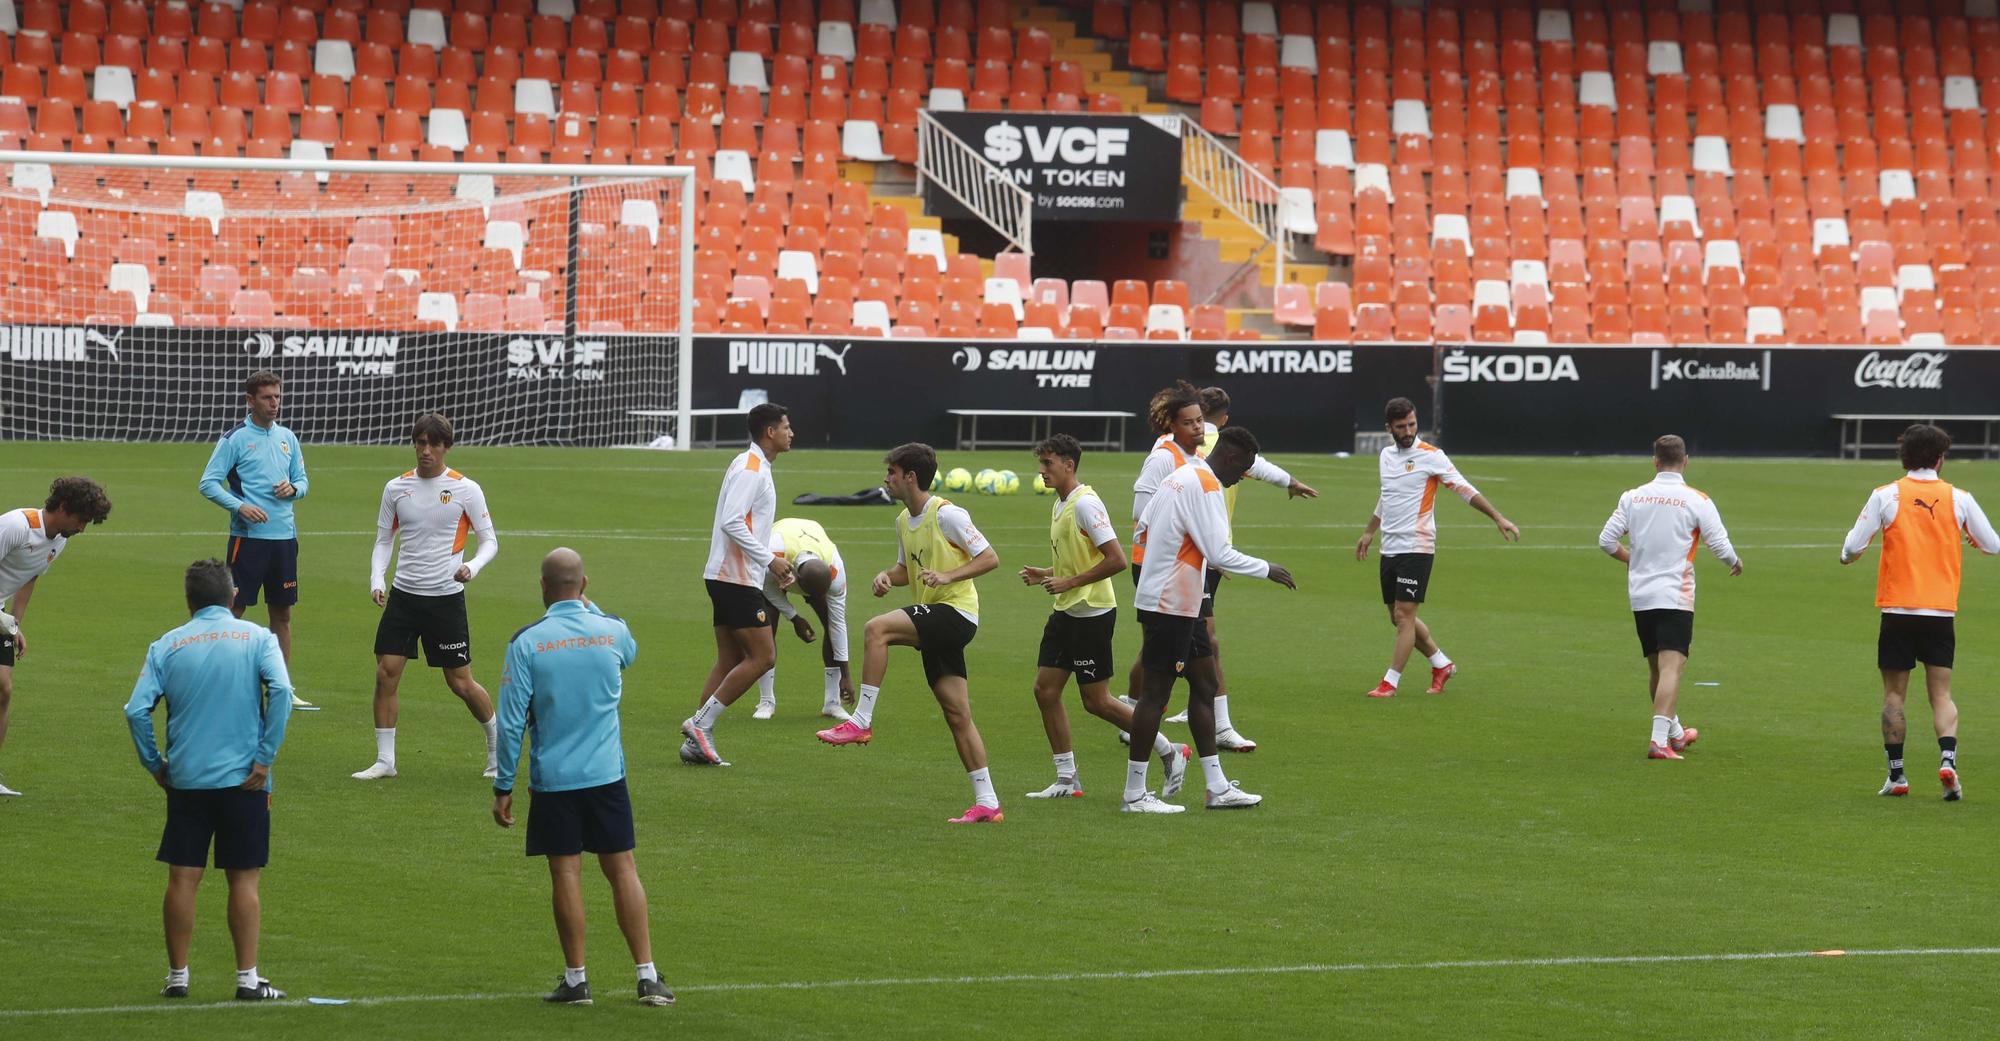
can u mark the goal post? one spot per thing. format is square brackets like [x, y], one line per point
[532, 304]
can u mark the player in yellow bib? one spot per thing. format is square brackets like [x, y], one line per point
[822, 577]
[939, 553]
[1077, 637]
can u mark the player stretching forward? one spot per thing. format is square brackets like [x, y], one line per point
[739, 561]
[1188, 520]
[1666, 520]
[433, 509]
[1411, 473]
[1077, 638]
[1215, 416]
[31, 540]
[822, 577]
[1922, 520]
[938, 554]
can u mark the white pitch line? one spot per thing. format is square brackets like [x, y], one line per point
[1139, 975]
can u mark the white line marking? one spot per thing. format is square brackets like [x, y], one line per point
[1308, 969]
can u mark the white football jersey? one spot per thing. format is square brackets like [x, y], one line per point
[1187, 530]
[434, 518]
[745, 509]
[1408, 506]
[1666, 520]
[26, 550]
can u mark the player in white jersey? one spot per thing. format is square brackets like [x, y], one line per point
[432, 510]
[1215, 416]
[1187, 530]
[1175, 414]
[822, 577]
[1412, 471]
[1077, 639]
[739, 562]
[31, 540]
[1665, 520]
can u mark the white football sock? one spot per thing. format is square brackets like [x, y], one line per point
[1674, 728]
[1066, 765]
[492, 728]
[767, 687]
[1163, 747]
[1661, 724]
[864, 706]
[1211, 770]
[1222, 714]
[385, 745]
[1135, 778]
[573, 977]
[710, 714]
[982, 789]
[832, 696]
[1440, 659]
[246, 977]
[1393, 678]
[648, 972]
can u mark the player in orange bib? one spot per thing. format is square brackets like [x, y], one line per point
[1922, 521]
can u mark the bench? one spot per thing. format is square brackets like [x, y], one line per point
[1041, 423]
[695, 416]
[1852, 424]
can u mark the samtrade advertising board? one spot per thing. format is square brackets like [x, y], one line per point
[1078, 166]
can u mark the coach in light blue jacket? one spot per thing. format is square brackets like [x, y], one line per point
[560, 689]
[228, 697]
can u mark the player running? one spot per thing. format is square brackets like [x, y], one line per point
[939, 552]
[258, 472]
[1412, 470]
[822, 577]
[739, 561]
[433, 509]
[30, 541]
[1922, 521]
[1665, 520]
[1215, 416]
[1077, 636]
[1188, 520]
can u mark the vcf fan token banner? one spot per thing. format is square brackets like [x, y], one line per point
[1077, 166]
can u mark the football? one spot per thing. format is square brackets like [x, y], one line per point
[1007, 483]
[958, 479]
[987, 481]
[1042, 487]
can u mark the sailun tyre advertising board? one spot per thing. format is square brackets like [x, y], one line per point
[1077, 166]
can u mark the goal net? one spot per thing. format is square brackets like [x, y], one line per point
[530, 304]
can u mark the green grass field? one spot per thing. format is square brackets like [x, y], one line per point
[1457, 866]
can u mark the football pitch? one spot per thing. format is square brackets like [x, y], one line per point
[1497, 862]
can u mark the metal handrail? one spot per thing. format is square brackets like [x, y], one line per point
[1237, 187]
[961, 172]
